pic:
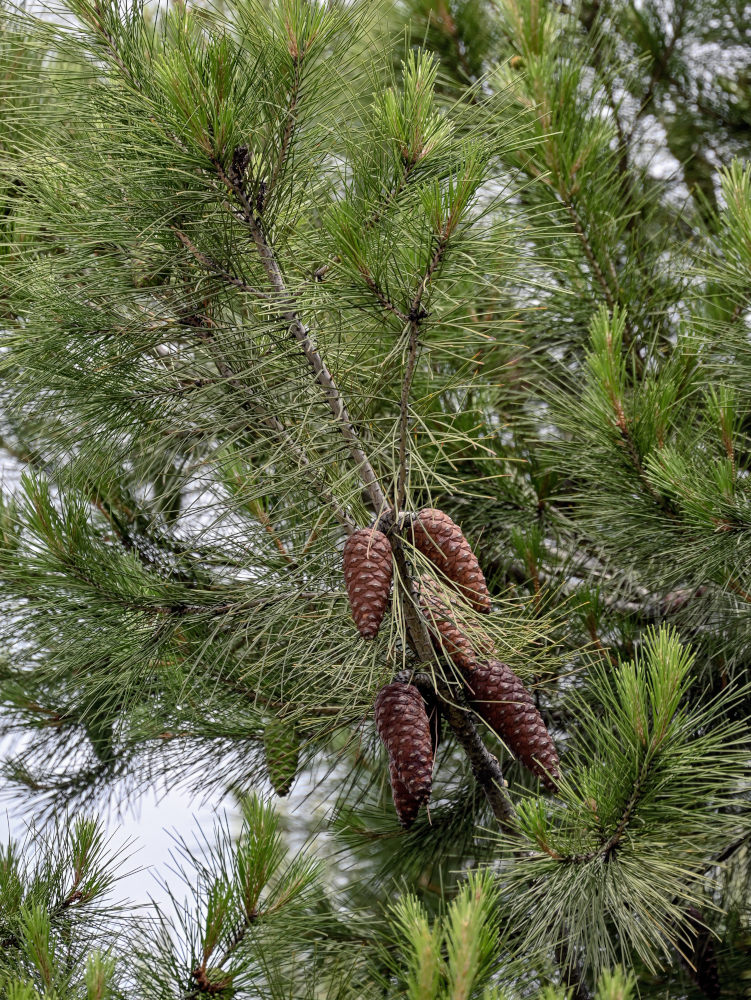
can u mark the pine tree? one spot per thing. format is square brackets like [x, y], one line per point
[277, 275]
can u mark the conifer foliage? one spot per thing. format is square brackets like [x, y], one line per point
[431, 317]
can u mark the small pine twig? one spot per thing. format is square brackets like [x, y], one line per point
[289, 128]
[268, 526]
[409, 372]
[288, 312]
[96, 22]
[416, 315]
[381, 296]
[216, 268]
[375, 216]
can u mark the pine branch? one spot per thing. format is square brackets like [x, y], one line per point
[391, 196]
[94, 18]
[211, 987]
[416, 315]
[288, 312]
[588, 250]
[612, 294]
[409, 372]
[485, 766]
[204, 330]
[381, 296]
[290, 124]
[216, 268]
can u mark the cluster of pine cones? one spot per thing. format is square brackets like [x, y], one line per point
[493, 690]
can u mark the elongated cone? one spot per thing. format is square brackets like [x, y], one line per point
[404, 728]
[446, 634]
[499, 697]
[441, 540]
[282, 748]
[367, 576]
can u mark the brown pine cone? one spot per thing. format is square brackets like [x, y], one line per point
[499, 697]
[439, 610]
[402, 724]
[367, 576]
[446, 634]
[440, 540]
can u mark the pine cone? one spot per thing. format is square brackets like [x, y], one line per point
[701, 954]
[440, 540]
[500, 698]
[446, 633]
[282, 748]
[402, 724]
[367, 576]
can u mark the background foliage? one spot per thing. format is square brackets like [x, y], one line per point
[546, 208]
